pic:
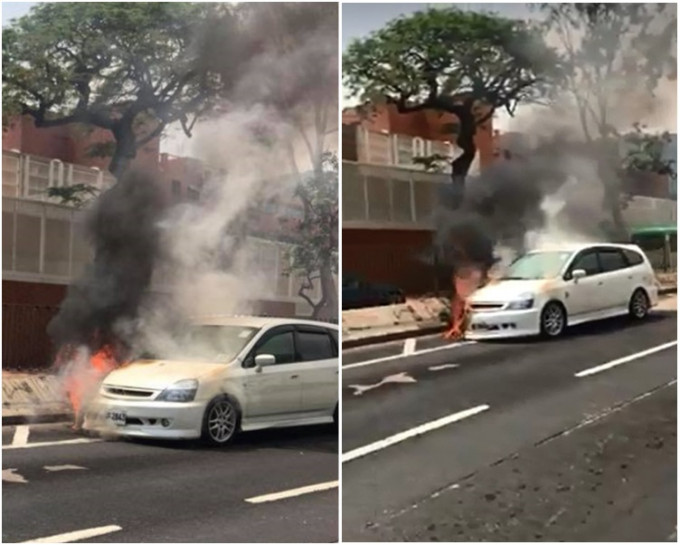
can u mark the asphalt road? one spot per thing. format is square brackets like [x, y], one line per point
[513, 441]
[169, 492]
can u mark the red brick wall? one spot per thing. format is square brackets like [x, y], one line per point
[391, 256]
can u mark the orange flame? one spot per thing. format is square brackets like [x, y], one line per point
[465, 281]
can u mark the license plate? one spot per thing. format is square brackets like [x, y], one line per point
[117, 417]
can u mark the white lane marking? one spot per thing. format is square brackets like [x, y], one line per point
[11, 477]
[77, 535]
[403, 378]
[409, 346]
[294, 492]
[65, 467]
[625, 359]
[413, 432]
[442, 367]
[52, 443]
[20, 435]
[399, 356]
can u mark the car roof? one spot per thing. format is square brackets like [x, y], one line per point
[578, 246]
[257, 321]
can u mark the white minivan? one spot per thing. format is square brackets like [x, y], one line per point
[545, 291]
[231, 374]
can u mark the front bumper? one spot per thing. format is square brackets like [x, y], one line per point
[153, 419]
[503, 324]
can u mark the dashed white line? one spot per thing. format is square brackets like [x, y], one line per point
[65, 467]
[413, 432]
[77, 535]
[409, 346]
[399, 356]
[20, 435]
[625, 359]
[293, 492]
[51, 443]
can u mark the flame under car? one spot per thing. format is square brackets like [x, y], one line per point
[545, 291]
[232, 374]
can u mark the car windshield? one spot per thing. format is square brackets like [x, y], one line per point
[537, 266]
[214, 343]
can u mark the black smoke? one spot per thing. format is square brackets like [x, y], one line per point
[122, 229]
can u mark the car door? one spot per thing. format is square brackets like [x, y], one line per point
[318, 350]
[584, 295]
[274, 390]
[617, 277]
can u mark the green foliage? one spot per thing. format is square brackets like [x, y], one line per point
[74, 195]
[645, 152]
[108, 64]
[454, 61]
[317, 246]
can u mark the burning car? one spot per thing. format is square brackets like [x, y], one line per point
[230, 374]
[545, 291]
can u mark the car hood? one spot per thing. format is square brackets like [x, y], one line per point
[159, 374]
[501, 291]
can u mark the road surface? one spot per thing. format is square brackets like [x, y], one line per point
[146, 492]
[571, 440]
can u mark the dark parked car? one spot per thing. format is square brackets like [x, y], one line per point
[358, 294]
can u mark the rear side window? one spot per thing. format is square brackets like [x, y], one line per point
[633, 257]
[611, 259]
[314, 345]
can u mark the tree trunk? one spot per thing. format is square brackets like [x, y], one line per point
[327, 309]
[461, 165]
[125, 152]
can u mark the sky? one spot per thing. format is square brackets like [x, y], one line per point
[10, 10]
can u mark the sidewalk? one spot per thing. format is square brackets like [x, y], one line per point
[35, 397]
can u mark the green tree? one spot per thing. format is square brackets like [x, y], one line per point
[315, 254]
[131, 68]
[614, 57]
[462, 62]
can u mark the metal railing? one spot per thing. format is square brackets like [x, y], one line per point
[388, 196]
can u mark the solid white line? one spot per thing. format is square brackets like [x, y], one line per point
[20, 435]
[413, 432]
[399, 356]
[409, 346]
[294, 492]
[625, 359]
[52, 443]
[77, 535]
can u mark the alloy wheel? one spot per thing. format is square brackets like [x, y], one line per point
[221, 421]
[553, 320]
[639, 305]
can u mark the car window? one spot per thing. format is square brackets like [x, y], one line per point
[588, 262]
[633, 257]
[612, 259]
[280, 346]
[314, 346]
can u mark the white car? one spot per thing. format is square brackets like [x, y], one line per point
[543, 292]
[233, 374]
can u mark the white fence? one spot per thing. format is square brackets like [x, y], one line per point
[30, 177]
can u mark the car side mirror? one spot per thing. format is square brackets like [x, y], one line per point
[264, 360]
[578, 273]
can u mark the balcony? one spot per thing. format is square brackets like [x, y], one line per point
[388, 197]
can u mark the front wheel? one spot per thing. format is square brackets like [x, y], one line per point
[553, 320]
[638, 307]
[220, 422]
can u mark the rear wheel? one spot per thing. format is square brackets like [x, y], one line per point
[221, 421]
[553, 320]
[638, 308]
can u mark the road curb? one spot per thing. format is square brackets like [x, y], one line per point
[668, 290]
[19, 419]
[397, 336]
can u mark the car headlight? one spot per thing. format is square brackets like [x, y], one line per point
[182, 391]
[524, 302]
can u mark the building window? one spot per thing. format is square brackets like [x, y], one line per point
[418, 147]
[193, 194]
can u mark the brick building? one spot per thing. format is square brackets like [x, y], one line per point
[388, 200]
[44, 249]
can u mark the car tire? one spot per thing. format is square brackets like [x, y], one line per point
[638, 307]
[553, 320]
[221, 421]
[335, 415]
